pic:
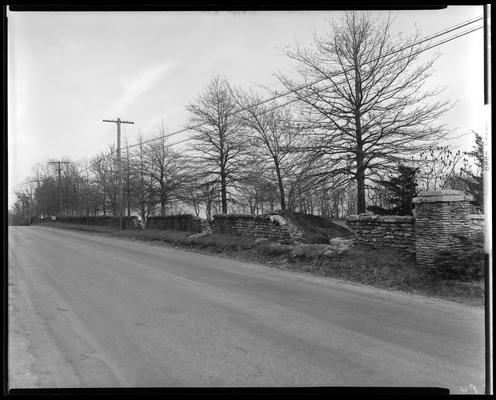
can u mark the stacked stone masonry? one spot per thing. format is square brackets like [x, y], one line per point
[181, 222]
[269, 227]
[272, 227]
[441, 216]
[377, 231]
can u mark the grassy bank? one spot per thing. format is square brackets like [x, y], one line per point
[387, 268]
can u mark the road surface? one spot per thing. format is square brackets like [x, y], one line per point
[93, 311]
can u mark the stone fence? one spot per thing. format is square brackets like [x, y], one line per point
[439, 217]
[273, 227]
[376, 230]
[180, 222]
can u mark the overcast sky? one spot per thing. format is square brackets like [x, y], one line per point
[68, 71]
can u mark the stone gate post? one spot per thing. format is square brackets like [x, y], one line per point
[439, 215]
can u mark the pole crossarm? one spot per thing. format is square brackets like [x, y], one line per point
[118, 121]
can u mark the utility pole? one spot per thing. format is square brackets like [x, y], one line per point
[118, 121]
[59, 185]
[128, 190]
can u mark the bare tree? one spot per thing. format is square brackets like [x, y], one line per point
[141, 188]
[46, 197]
[191, 196]
[23, 207]
[209, 194]
[473, 176]
[470, 176]
[104, 168]
[197, 192]
[72, 186]
[369, 109]
[164, 167]
[216, 143]
[437, 167]
[258, 188]
[271, 130]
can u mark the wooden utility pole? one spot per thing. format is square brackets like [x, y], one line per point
[128, 189]
[119, 201]
[59, 185]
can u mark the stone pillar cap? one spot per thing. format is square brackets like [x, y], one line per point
[432, 196]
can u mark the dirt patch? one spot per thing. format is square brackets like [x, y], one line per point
[316, 229]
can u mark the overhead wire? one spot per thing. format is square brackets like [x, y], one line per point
[330, 86]
[308, 85]
[286, 93]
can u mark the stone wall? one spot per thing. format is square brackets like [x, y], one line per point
[181, 222]
[440, 217]
[377, 231]
[272, 227]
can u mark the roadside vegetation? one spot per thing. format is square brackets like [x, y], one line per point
[385, 268]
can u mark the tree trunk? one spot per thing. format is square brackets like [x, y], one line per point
[223, 191]
[360, 190]
[104, 205]
[360, 172]
[208, 209]
[163, 203]
[281, 187]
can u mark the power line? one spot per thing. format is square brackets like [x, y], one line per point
[330, 86]
[445, 31]
[295, 90]
[417, 43]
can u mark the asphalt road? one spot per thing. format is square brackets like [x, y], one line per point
[93, 311]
